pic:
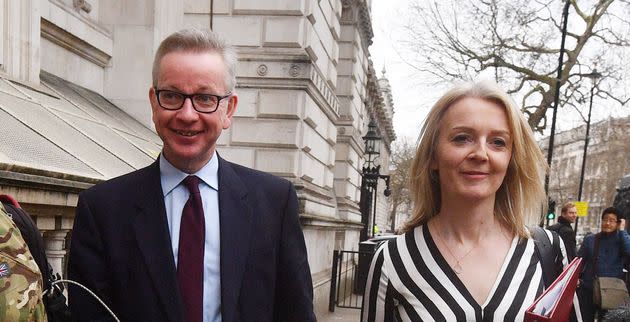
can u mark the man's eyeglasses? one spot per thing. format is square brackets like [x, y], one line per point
[202, 103]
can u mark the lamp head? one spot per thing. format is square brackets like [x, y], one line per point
[372, 143]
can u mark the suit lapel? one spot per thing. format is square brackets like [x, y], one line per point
[153, 238]
[235, 217]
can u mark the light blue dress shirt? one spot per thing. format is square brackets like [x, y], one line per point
[175, 197]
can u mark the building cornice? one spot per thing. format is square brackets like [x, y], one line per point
[328, 223]
[69, 41]
[377, 108]
[287, 69]
[357, 12]
[25, 177]
[577, 134]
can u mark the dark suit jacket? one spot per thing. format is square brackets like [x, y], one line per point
[121, 249]
[565, 230]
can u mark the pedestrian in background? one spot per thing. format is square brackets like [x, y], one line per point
[564, 228]
[466, 254]
[21, 284]
[612, 246]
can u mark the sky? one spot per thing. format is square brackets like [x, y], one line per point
[413, 97]
[412, 100]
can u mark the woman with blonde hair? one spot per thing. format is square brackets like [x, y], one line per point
[466, 254]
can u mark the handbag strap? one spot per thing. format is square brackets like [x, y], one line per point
[596, 254]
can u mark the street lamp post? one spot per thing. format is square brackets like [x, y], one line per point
[594, 75]
[565, 18]
[369, 181]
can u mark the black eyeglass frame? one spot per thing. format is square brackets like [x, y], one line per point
[191, 97]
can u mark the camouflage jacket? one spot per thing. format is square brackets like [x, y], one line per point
[20, 278]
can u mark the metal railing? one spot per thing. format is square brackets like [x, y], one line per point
[346, 288]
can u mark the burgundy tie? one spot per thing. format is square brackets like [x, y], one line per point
[192, 233]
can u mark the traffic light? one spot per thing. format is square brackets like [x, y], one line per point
[551, 209]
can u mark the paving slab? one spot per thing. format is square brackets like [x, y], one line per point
[341, 315]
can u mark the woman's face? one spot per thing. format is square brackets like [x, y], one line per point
[473, 151]
[609, 223]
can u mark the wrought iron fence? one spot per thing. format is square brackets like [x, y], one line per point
[346, 284]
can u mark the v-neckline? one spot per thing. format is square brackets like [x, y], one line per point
[459, 284]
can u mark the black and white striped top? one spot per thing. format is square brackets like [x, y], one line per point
[409, 275]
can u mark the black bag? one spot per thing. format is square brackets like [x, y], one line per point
[549, 254]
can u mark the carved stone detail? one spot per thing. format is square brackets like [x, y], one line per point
[82, 5]
[357, 12]
[294, 71]
[262, 70]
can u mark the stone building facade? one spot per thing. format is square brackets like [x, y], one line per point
[606, 162]
[74, 80]
[383, 206]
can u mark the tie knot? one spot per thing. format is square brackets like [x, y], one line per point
[192, 183]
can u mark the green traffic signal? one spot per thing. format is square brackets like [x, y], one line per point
[551, 208]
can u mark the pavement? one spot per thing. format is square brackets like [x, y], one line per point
[341, 315]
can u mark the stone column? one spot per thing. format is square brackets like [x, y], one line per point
[55, 244]
[20, 39]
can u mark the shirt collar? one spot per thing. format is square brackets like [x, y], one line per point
[171, 177]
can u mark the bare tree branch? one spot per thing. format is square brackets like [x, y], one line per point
[518, 40]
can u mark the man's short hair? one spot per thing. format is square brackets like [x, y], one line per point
[614, 211]
[566, 206]
[198, 41]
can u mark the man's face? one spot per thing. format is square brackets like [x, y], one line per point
[189, 136]
[570, 214]
[610, 223]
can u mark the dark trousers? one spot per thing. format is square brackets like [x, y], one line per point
[587, 307]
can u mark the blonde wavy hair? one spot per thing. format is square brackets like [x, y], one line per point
[521, 194]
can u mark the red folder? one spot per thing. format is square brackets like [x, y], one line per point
[555, 303]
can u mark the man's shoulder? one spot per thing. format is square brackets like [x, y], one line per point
[554, 227]
[133, 180]
[623, 234]
[567, 228]
[561, 228]
[590, 238]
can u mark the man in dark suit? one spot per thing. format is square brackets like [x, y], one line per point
[191, 237]
[563, 227]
